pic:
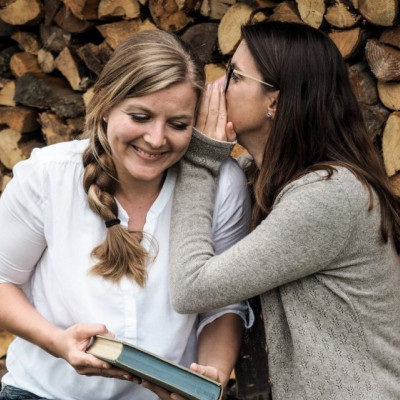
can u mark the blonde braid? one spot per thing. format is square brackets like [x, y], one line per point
[121, 252]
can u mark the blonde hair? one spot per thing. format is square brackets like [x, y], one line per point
[145, 63]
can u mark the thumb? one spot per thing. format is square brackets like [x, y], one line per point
[230, 132]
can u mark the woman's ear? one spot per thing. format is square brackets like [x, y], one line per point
[273, 103]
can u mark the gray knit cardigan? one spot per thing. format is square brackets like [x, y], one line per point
[329, 286]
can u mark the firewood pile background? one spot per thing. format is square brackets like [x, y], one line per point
[51, 52]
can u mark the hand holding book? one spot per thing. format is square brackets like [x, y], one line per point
[207, 371]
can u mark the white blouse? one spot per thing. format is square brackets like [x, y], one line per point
[47, 232]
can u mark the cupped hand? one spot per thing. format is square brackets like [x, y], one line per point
[72, 344]
[208, 371]
[212, 116]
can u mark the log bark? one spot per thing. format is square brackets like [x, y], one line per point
[375, 116]
[95, 57]
[167, 15]
[44, 92]
[28, 42]
[391, 37]
[204, 40]
[363, 83]
[66, 20]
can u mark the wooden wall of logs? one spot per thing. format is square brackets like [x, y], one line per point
[51, 51]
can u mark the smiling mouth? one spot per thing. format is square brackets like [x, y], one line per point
[148, 155]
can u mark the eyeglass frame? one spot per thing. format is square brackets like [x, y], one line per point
[231, 69]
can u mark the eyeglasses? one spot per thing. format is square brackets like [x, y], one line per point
[230, 71]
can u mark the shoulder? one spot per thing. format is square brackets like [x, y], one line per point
[341, 196]
[231, 173]
[52, 157]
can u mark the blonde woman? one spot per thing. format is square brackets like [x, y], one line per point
[85, 232]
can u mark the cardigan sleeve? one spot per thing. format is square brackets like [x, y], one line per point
[304, 232]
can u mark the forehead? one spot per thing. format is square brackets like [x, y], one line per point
[180, 97]
[243, 59]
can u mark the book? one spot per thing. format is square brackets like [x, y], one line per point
[153, 368]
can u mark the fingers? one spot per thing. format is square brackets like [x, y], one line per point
[212, 116]
[208, 371]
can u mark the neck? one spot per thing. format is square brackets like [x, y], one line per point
[255, 145]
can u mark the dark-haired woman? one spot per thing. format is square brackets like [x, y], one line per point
[322, 252]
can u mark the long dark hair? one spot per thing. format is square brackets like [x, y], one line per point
[318, 122]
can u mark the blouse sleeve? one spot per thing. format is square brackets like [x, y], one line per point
[22, 240]
[304, 232]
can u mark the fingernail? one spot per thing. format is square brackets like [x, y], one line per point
[105, 366]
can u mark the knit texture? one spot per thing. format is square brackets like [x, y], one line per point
[329, 286]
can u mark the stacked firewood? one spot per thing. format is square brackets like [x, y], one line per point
[51, 52]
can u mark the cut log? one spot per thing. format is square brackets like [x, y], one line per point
[4, 181]
[391, 144]
[95, 57]
[117, 32]
[363, 83]
[28, 42]
[391, 37]
[20, 12]
[203, 38]
[45, 60]
[54, 38]
[66, 20]
[189, 6]
[286, 11]
[55, 130]
[379, 12]
[229, 28]
[311, 11]
[389, 94]
[72, 70]
[127, 9]
[51, 8]
[395, 181]
[46, 92]
[215, 9]
[87, 96]
[22, 63]
[340, 16]
[167, 15]
[83, 9]
[383, 60]
[375, 116]
[348, 41]
[5, 339]
[5, 57]
[213, 72]
[238, 150]
[7, 94]
[21, 119]
[14, 147]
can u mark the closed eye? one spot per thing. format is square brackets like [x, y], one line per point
[139, 117]
[179, 126]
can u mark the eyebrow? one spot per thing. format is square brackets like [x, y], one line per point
[134, 108]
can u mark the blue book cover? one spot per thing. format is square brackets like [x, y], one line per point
[155, 369]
